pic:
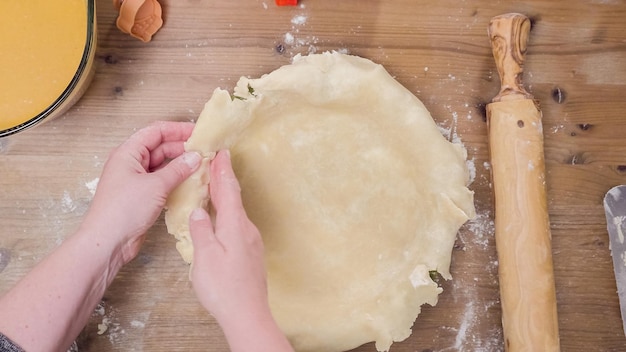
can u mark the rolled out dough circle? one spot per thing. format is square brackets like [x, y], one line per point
[356, 193]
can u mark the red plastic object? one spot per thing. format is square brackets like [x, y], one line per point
[286, 2]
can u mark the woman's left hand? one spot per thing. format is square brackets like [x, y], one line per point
[135, 183]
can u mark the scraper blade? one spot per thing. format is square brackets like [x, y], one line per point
[615, 210]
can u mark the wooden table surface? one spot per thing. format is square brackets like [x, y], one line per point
[439, 50]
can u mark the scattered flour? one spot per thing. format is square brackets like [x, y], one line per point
[4, 145]
[289, 39]
[451, 132]
[67, 203]
[468, 341]
[99, 309]
[445, 131]
[92, 185]
[555, 129]
[295, 40]
[299, 20]
[137, 324]
[110, 325]
[469, 315]
[478, 239]
[471, 167]
[482, 229]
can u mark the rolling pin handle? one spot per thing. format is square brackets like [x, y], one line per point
[509, 40]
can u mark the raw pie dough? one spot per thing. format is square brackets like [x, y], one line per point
[355, 191]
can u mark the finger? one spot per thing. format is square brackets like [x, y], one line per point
[225, 191]
[202, 234]
[164, 152]
[159, 132]
[177, 170]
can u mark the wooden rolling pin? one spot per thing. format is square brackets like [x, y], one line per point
[526, 275]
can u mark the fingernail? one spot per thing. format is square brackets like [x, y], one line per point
[198, 214]
[192, 159]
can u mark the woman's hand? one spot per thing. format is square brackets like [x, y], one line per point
[228, 272]
[69, 282]
[136, 180]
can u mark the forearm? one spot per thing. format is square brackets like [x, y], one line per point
[47, 309]
[256, 332]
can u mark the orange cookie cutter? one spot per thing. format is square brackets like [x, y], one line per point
[139, 18]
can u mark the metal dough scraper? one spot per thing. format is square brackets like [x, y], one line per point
[615, 210]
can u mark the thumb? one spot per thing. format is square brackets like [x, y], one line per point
[202, 234]
[177, 170]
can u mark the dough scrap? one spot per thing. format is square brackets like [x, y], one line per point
[356, 193]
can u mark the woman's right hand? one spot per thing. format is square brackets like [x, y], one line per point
[228, 272]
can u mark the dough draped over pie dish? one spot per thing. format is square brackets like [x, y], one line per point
[355, 191]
